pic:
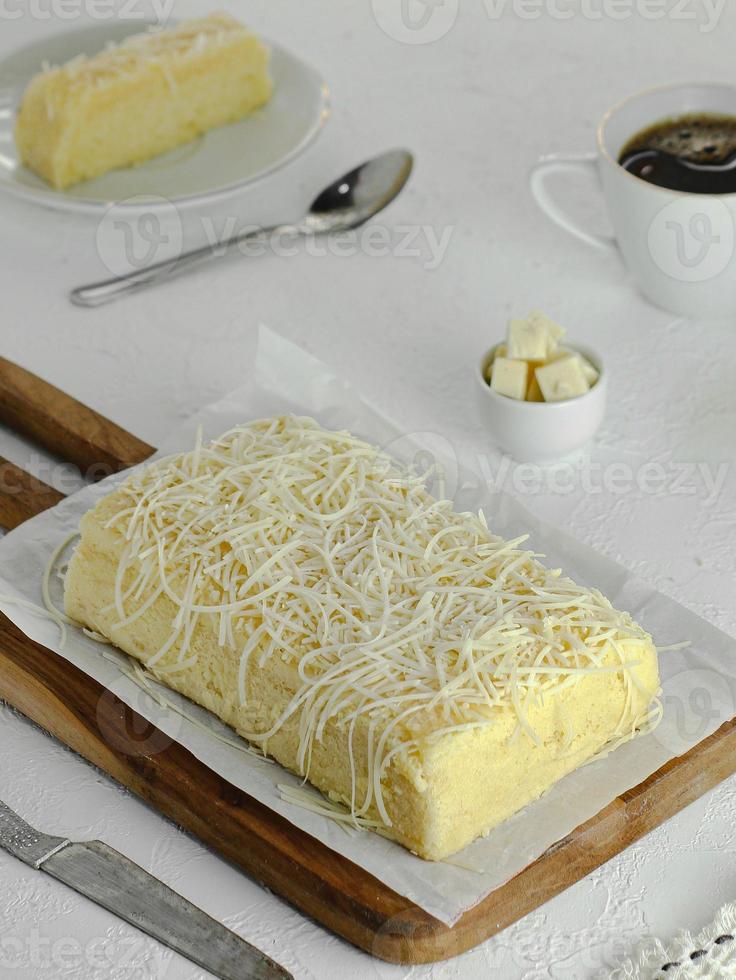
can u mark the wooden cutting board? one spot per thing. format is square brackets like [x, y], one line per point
[322, 884]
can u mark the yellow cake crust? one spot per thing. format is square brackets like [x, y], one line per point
[442, 790]
[144, 97]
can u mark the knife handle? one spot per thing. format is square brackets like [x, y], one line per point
[23, 841]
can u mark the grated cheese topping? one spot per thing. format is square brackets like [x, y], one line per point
[308, 545]
[152, 47]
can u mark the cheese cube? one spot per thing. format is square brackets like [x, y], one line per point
[533, 339]
[590, 372]
[534, 392]
[500, 351]
[510, 378]
[562, 379]
[560, 353]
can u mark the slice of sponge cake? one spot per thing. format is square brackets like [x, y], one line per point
[134, 101]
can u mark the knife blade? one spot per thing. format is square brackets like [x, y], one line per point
[111, 880]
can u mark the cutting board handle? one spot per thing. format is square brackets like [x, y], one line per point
[22, 496]
[64, 426]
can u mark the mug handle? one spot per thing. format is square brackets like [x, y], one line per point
[582, 162]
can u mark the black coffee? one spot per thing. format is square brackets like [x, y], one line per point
[694, 153]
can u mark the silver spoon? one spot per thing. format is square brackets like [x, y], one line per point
[347, 203]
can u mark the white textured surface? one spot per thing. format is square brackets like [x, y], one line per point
[477, 107]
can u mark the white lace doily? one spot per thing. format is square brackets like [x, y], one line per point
[709, 955]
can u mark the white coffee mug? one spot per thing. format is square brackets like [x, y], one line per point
[679, 247]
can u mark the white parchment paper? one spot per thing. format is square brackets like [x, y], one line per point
[698, 682]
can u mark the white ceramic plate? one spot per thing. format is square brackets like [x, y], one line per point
[216, 164]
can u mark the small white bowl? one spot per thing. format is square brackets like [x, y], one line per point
[541, 432]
